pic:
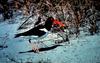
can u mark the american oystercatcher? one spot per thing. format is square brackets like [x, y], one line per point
[41, 30]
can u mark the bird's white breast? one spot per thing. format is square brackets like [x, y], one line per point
[44, 29]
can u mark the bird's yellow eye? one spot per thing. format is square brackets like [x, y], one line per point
[51, 19]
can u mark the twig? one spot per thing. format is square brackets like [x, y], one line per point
[25, 21]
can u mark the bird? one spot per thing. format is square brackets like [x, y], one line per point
[39, 30]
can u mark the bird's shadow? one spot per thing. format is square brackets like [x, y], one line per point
[42, 49]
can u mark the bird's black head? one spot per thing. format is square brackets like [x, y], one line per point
[49, 23]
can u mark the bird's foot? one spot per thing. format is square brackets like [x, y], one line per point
[29, 40]
[35, 47]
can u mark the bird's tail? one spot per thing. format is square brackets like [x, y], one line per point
[17, 35]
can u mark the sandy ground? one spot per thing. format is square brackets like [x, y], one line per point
[85, 49]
